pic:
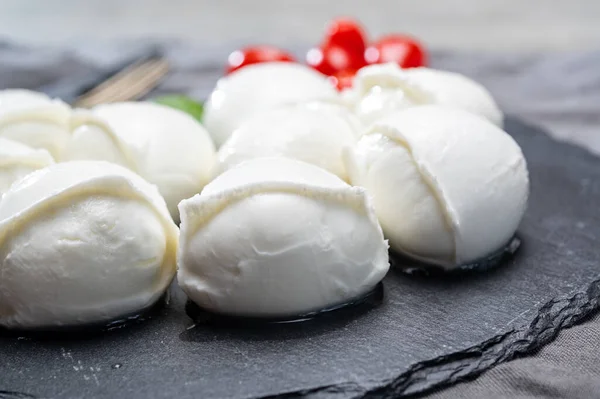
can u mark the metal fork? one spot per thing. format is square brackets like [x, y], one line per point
[131, 83]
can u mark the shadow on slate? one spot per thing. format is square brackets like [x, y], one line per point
[427, 333]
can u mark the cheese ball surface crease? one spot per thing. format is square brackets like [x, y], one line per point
[476, 173]
[82, 243]
[274, 246]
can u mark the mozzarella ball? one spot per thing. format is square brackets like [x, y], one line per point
[448, 186]
[275, 237]
[165, 146]
[382, 89]
[82, 242]
[314, 133]
[261, 87]
[35, 120]
[17, 160]
[19, 99]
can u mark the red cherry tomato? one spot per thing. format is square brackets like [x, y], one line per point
[343, 79]
[332, 59]
[347, 34]
[403, 50]
[254, 55]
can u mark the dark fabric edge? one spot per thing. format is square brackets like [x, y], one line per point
[427, 376]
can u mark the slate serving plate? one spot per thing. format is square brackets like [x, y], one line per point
[427, 331]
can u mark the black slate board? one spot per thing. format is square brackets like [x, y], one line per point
[427, 332]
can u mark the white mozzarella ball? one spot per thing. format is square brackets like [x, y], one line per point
[18, 160]
[276, 237]
[383, 89]
[261, 87]
[82, 242]
[315, 133]
[35, 120]
[165, 146]
[19, 99]
[448, 186]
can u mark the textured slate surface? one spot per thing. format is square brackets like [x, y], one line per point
[427, 331]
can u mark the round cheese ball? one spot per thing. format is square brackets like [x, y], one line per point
[18, 160]
[261, 87]
[448, 186]
[276, 237]
[314, 133]
[35, 120]
[383, 89]
[165, 146]
[82, 242]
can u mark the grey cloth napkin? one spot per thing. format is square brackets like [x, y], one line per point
[567, 368]
[559, 92]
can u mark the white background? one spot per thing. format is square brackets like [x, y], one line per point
[494, 25]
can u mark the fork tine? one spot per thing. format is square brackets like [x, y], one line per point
[131, 83]
[117, 79]
[151, 79]
[108, 84]
[137, 88]
[132, 86]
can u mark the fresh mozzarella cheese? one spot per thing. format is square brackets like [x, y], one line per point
[165, 146]
[275, 237]
[35, 119]
[314, 132]
[261, 87]
[18, 160]
[12, 100]
[448, 186]
[82, 242]
[382, 89]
